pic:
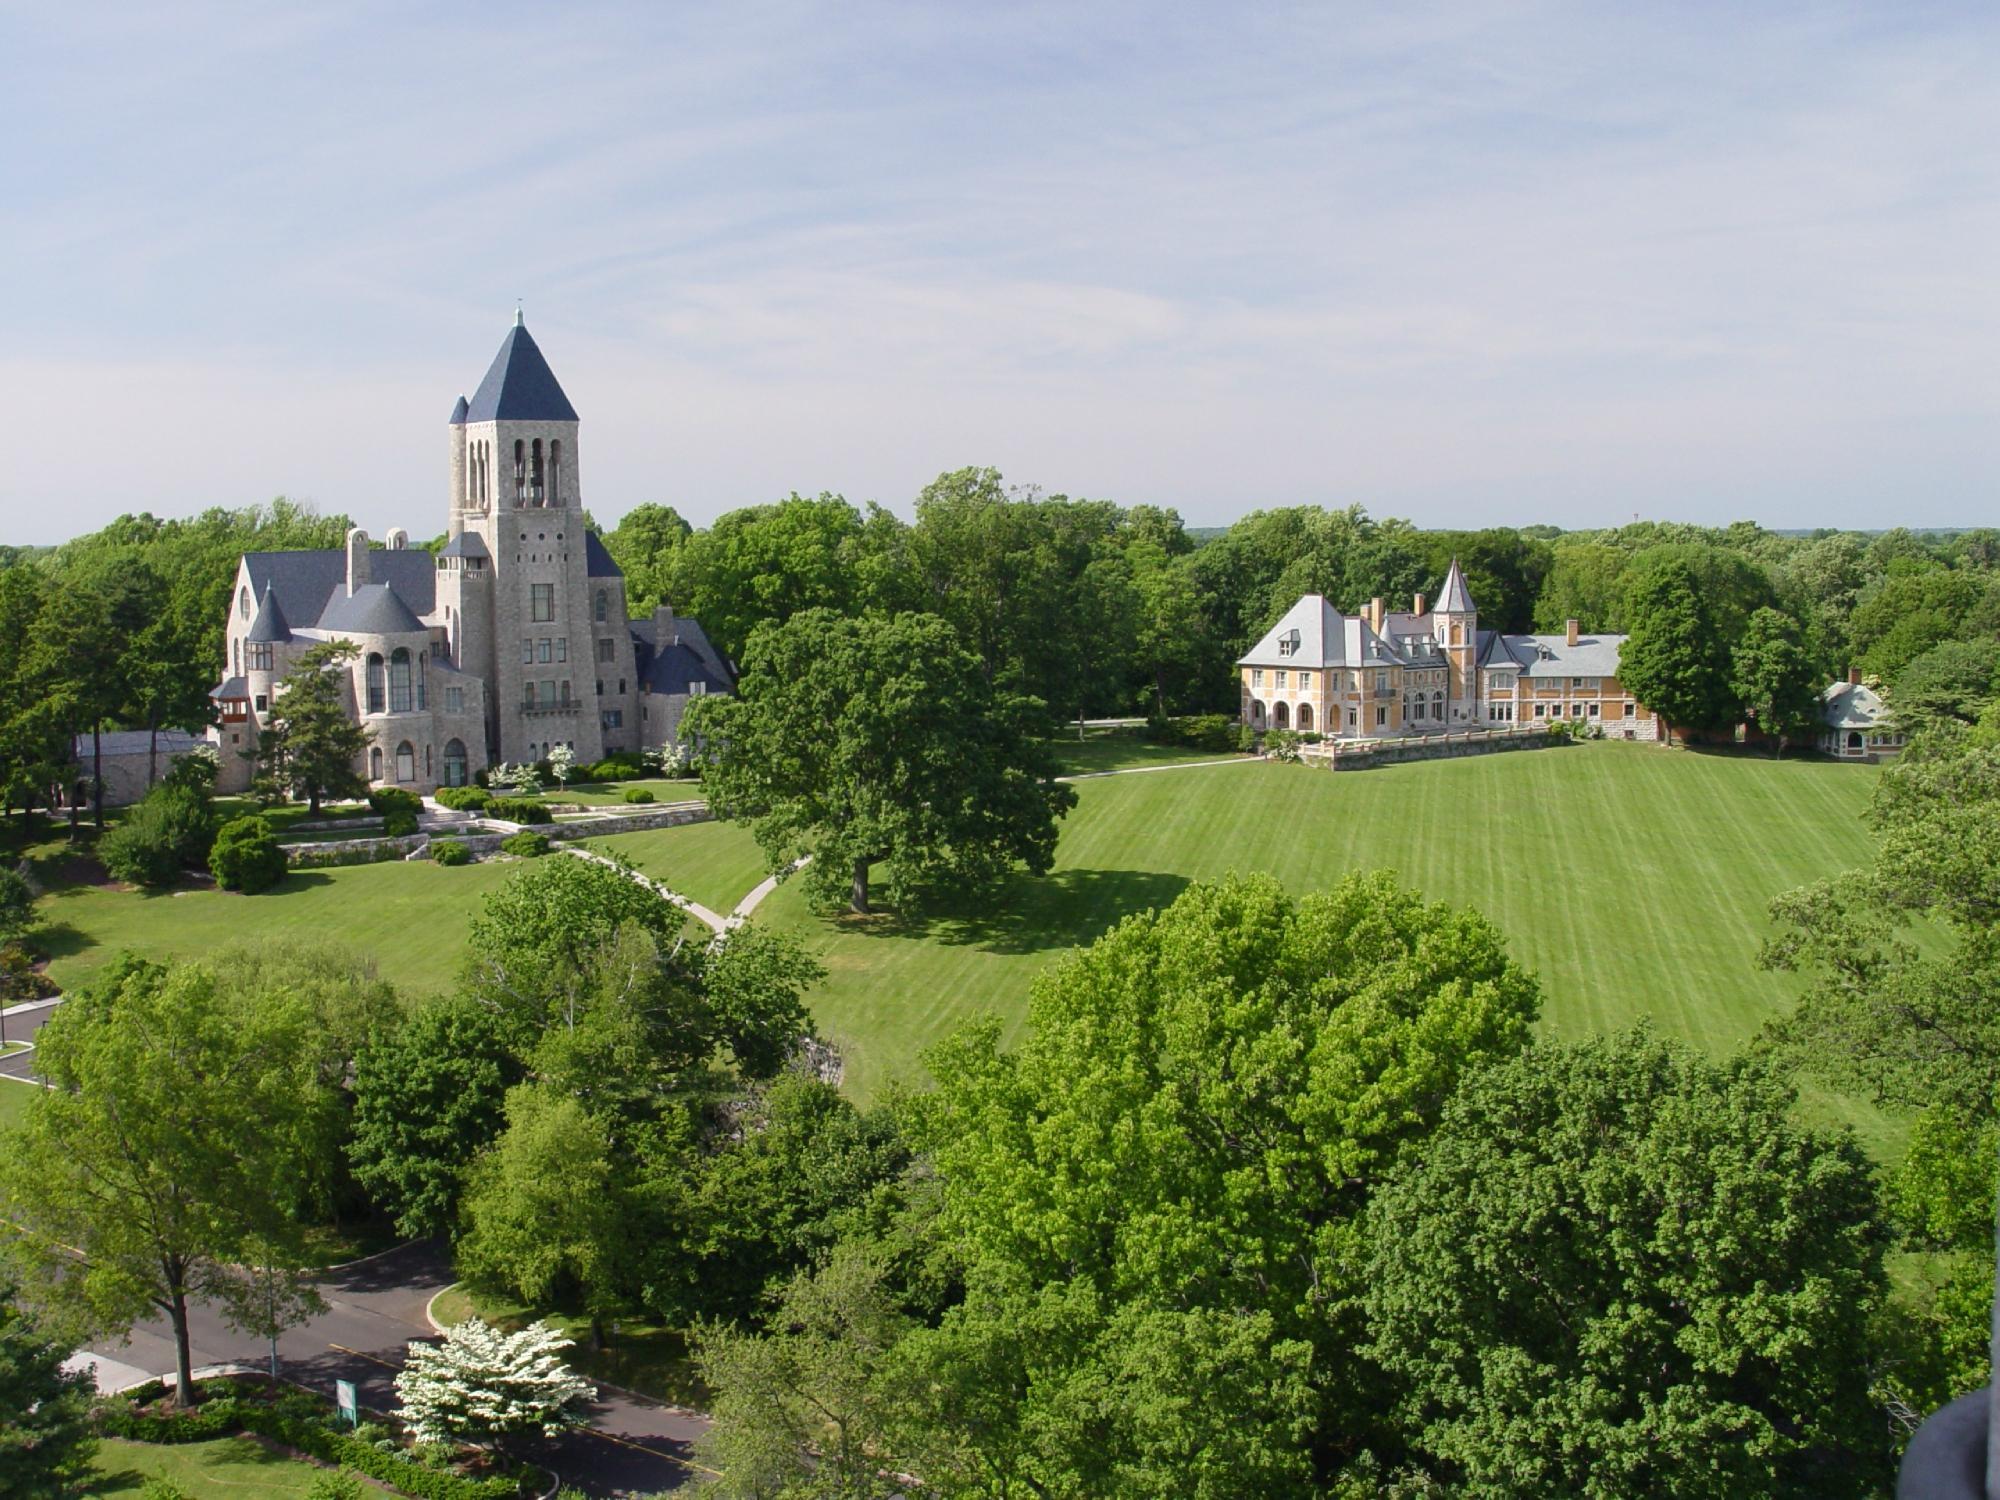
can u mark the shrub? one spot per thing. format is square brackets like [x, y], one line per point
[518, 810]
[1246, 738]
[399, 824]
[526, 844]
[170, 830]
[157, 1488]
[246, 856]
[387, 801]
[451, 852]
[1281, 744]
[463, 798]
[1197, 731]
[638, 794]
[341, 1484]
[17, 904]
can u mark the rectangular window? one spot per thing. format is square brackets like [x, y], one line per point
[260, 656]
[1381, 714]
[614, 718]
[607, 649]
[1576, 682]
[545, 650]
[697, 689]
[1541, 710]
[1418, 711]
[1353, 717]
[549, 693]
[1305, 681]
[1280, 679]
[528, 690]
[1381, 682]
[1591, 684]
[527, 648]
[541, 601]
[562, 648]
[454, 700]
[1576, 710]
[261, 702]
[1629, 710]
[1256, 677]
[565, 691]
[1593, 710]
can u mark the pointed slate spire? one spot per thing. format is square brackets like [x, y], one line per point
[458, 413]
[520, 386]
[1454, 598]
[270, 623]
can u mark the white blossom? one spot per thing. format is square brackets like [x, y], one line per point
[481, 1384]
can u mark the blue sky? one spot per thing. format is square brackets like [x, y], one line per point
[1471, 264]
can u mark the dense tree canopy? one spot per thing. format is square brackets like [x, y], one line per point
[1617, 1269]
[880, 741]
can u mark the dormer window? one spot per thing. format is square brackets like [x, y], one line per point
[1288, 643]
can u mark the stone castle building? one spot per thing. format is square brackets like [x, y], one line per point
[1380, 674]
[514, 638]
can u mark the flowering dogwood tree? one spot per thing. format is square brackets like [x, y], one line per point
[483, 1386]
[562, 761]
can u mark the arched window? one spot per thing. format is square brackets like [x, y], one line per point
[406, 762]
[1256, 714]
[1305, 716]
[374, 762]
[399, 681]
[454, 763]
[237, 655]
[243, 602]
[555, 471]
[1854, 740]
[535, 492]
[603, 605]
[427, 762]
[1281, 715]
[520, 470]
[423, 698]
[376, 691]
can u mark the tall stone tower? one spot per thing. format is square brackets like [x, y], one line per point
[513, 569]
[1455, 622]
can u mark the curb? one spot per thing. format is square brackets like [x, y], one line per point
[429, 1317]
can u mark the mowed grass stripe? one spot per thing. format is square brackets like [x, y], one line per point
[1634, 880]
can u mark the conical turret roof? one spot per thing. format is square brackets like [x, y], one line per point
[1454, 598]
[270, 623]
[520, 386]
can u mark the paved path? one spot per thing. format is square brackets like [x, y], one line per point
[22, 1022]
[764, 888]
[1177, 765]
[375, 1308]
[714, 920]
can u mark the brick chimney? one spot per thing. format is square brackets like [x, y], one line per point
[1420, 606]
[1854, 677]
[1570, 631]
[357, 561]
[1377, 613]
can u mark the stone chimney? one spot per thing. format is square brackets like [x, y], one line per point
[1570, 631]
[1854, 677]
[1377, 613]
[397, 539]
[665, 632]
[1419, 606]
[357, 560]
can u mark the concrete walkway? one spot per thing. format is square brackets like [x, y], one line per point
[763, 888]
[714, 920]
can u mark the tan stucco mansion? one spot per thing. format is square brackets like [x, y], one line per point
[512, 640]
[1381, 674]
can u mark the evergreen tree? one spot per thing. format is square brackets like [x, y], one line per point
[310, 745]
[45, 1435]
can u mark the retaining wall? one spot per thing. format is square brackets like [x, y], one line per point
[480, 837]
[1428, 747]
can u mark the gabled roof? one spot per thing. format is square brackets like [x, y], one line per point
[519, 386]
[373, 609]
[1454, 598]
[305, 581]
[597, 559]
[270, 623]
[672, 668]
[1851, 705]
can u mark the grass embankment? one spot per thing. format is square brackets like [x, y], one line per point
[639, 1356]
[601, 793]
[716, 864]
[1120, 750]
[1634, 880]
[231, 1466]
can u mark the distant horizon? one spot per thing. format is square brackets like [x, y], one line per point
[1534, 263]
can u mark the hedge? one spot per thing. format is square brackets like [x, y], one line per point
[638, 794]
[519, 810]
[1197, 731]
[450, 851]
[298, 1421]
[462, 798]
[527, 844]
[389, 800]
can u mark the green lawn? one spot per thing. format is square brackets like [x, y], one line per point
[641, 1356]
[1633, 879]
[1119, 750]
[232, 1466]
[14, 1099]
[716, 864]
[411, 917]
[593, 794]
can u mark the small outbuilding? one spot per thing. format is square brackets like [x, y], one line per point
[127, 761]
[1855, 723]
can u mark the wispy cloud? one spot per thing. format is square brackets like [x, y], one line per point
[1490, 261]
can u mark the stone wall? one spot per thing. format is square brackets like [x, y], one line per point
[1357, 757]
[637, 822]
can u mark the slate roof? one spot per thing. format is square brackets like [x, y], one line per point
[458, 414]
[465, 544]
[1852, 705]
[519, 386]
[270, 623]
[231, 687]
[598, 561]
[304, 581]
[673, 668]
[1321, 636]
[1454, 597]
[1553, 656]
[373, 609]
